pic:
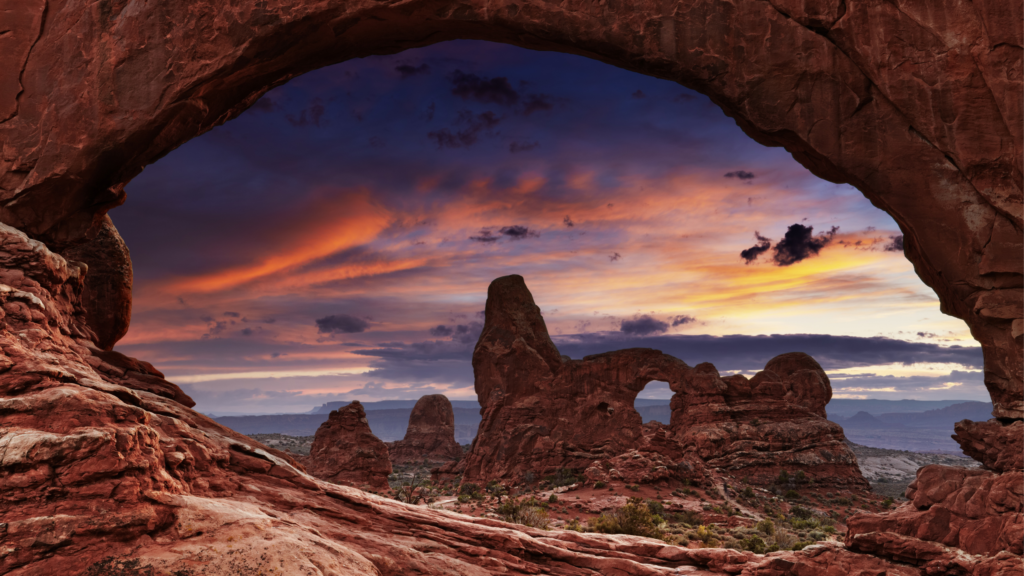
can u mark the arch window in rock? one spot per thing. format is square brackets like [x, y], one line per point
[321, 271]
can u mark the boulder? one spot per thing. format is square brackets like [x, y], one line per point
[996, 445]
[345, 451]
[431, 434]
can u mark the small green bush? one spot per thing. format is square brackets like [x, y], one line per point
[801, 477]
[469, 488]
[463, 498]
[599, 484]
[525, 511]
[792, 495]
[553, 499]
[801, 512]
[633, 487]
[656, 508]
[783, 478]
[634, 518]
[766, 527]
[754, 543]
[801, 545]
[748, 492]
[817, 536]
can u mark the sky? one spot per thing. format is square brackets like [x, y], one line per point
[336, 240]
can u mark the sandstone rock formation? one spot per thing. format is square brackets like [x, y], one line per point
[431, 433]
[107, 295]
[345, 451]
[772, 422]
[543, 412]
[918, 105]
[104, 469]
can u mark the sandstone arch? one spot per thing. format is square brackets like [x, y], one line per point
[918, 106]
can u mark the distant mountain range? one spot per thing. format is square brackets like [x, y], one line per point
[926, 425]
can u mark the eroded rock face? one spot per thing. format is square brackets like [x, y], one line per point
[543, 412]
[100, 467]
[431, 433]
[976, 511]
[345, 451]
[998, 446]
[772, 422]
[107, 295]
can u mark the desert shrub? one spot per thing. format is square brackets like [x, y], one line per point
[529, 477]
[887, 502]
[525, 511]
[463, 498]
[843, 501]
[633, 487]
[792, 495]
[691, 517]
[798, 524]
[755, 422]
[754, 543]
[748, 492]
[801, 477]
[469, 488]
[829, 529]
[800, 545]
[575, 525]
[783, 478]
[599, 484]
[817, 536]
[766, 527]
[634, 518]
[553, 499]
[801, 512]
[656, 508]
[123, 566]
[413, 490]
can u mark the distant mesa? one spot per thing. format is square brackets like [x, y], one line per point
[431, 434]
[345, 451]
[543, 412]
[865, 420]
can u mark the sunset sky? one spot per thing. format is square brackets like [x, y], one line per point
[335, 241]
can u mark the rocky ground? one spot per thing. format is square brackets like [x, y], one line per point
[295, 444]
[891, 471]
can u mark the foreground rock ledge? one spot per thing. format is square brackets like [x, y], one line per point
[103, 466]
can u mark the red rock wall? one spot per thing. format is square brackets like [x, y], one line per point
[430, 435]
[345, 451]
[917, 104]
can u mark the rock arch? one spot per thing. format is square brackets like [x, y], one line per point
[918, 106]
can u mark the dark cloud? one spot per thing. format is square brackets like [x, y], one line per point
[441, 331]
[568, 222]
[247, 331]
[682, 320]
[536, 103]
[473, 125]
[213, 327]
[313, 114]
[895, 244]
[800, 244]
[485, 236]
[762, 246]
[639, 94]
[486, 90]
[408, 71]
[741, 352]
[514, 232]
[741, 174]
[927, 335]
[643, 325]
[341, 323]
[615, 257]
[232, 314]
[517, 232]
[517, 147]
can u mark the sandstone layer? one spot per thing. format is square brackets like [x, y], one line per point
[430, 436]
[918, 105]
[543, 412]
[104, 469]
[345, 451]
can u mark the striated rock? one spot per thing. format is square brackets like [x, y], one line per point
[107, 295]
[998, 446]
[772, 422]
[431, 433]
[345, 451]
[977, 511]
[543, 412]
